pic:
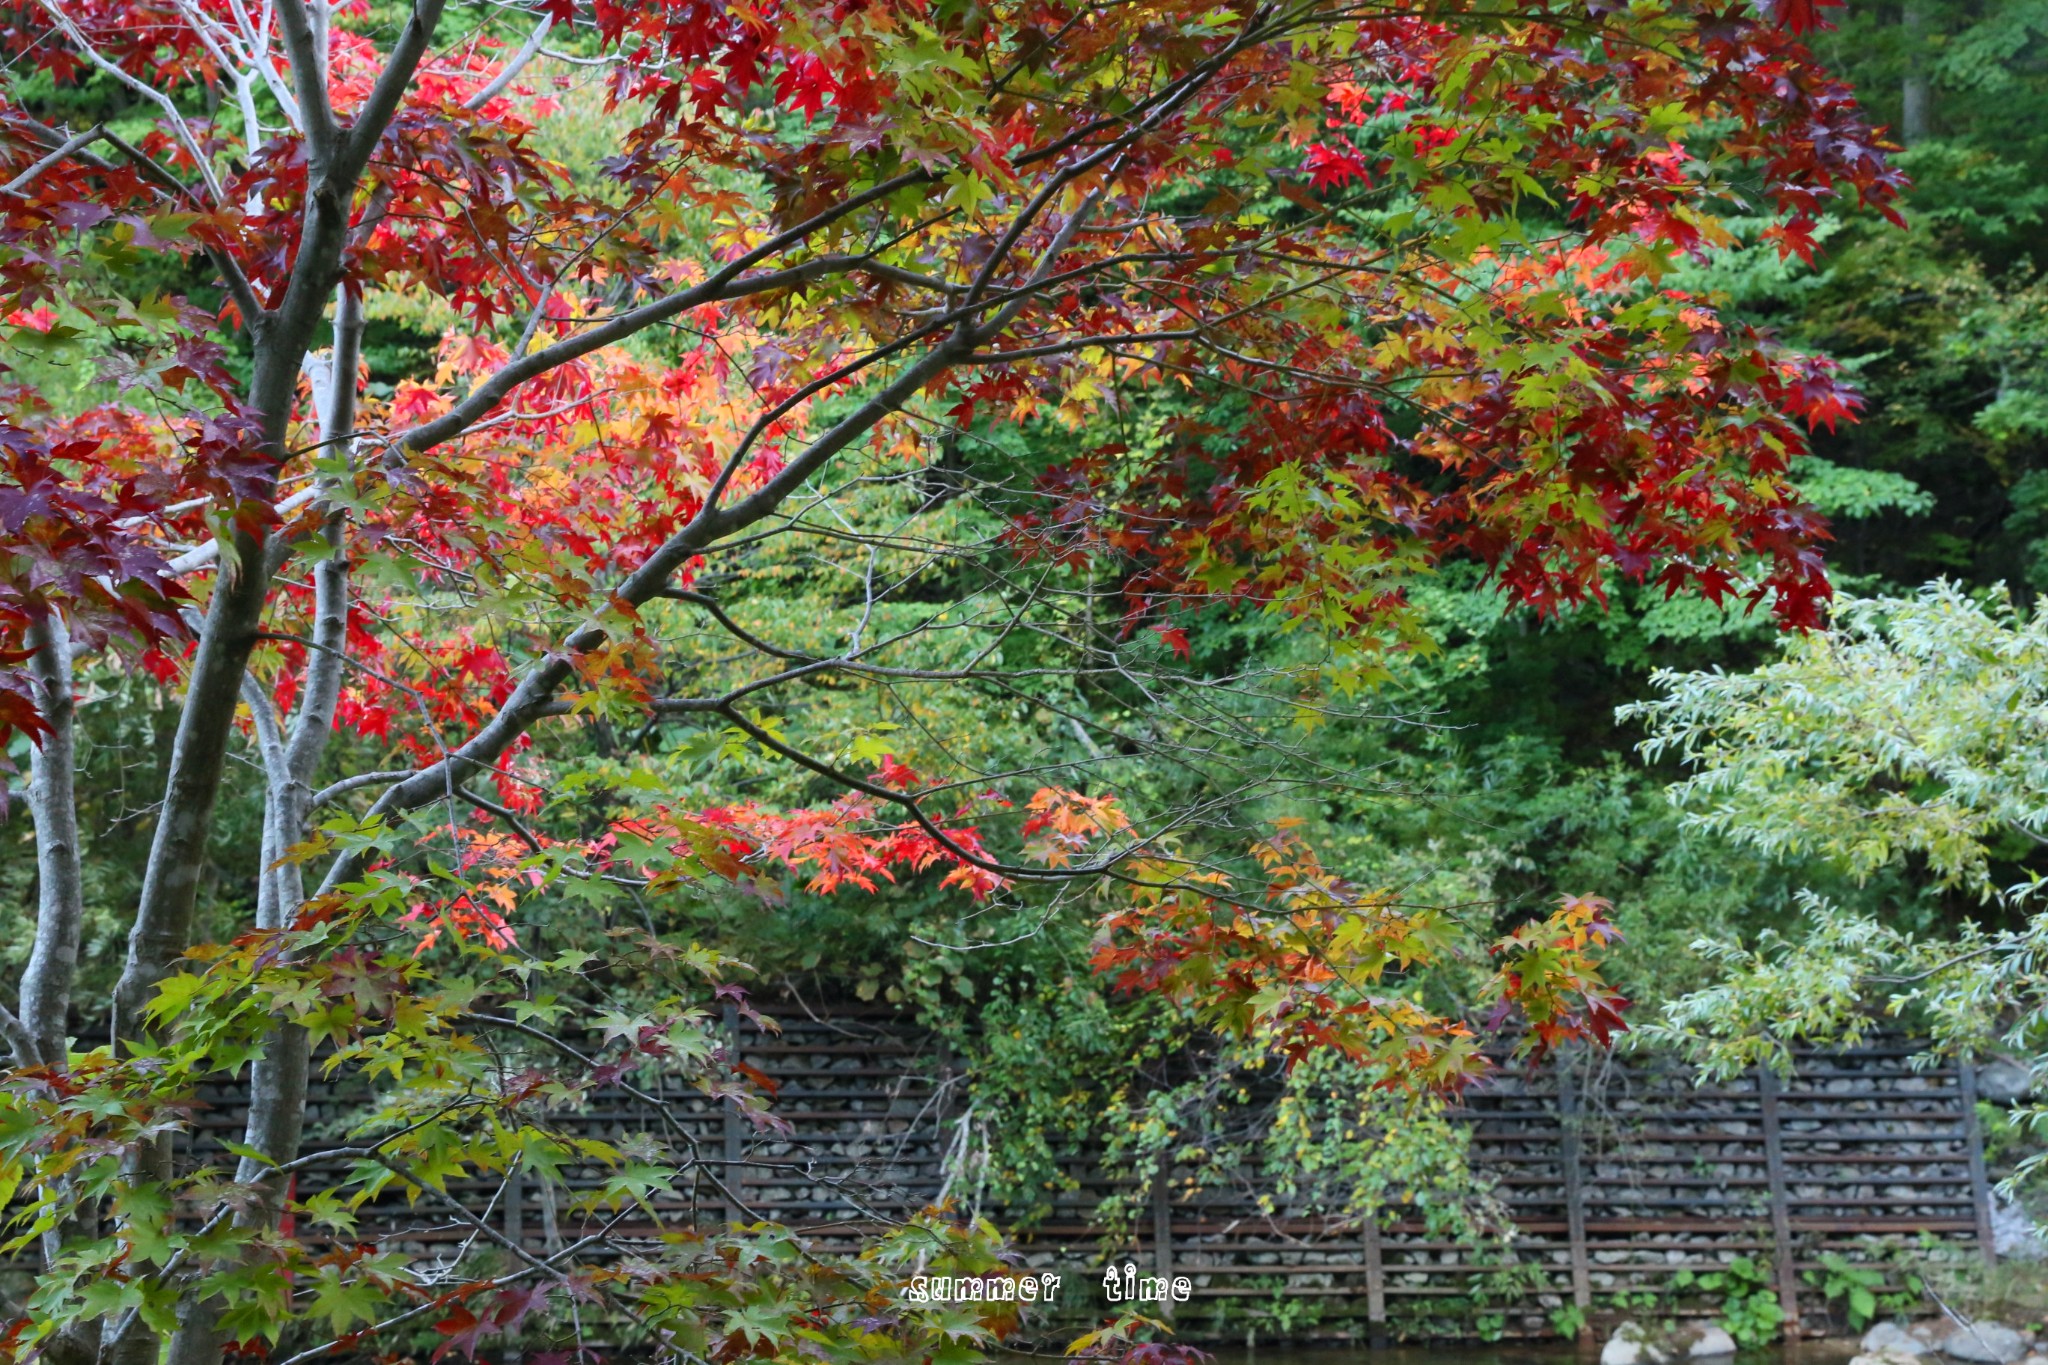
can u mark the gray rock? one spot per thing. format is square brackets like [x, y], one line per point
[2003, 1082]
[1631, 1345]
[2014, 1234]
[1710, 1341]
[1896, 1338]
[1985, 1343]
[1889, 1355]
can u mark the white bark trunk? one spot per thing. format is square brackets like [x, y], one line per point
[60, 899]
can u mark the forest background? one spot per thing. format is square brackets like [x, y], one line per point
[1493, 766]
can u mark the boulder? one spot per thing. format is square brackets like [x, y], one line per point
[1632, 1345]
[2014, 1233]
[2004, 1082]
[1985, 1343]
[1896, 1338]
[1888, 1355]
[1710, 1341]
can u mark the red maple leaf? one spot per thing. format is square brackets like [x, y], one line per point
[1334, 166]
[1174, 638]
[1802, 16]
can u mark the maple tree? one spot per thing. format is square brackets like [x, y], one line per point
[1365, 289]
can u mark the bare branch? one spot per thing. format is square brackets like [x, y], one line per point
[726, 285]
[202, 555]
[434, 1305]
[70, 144]
[315, 719]
[500, 812]
[337, 790]
[18, 1040]
[303, 46]
[734, 628]
[256, 36]
[532, 698]
[513, 66]
[384, 98]
[83, 46]
[236, 282]
[909, 804]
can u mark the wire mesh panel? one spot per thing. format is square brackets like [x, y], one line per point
[1618, 1174]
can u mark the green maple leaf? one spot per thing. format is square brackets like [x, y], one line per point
[969, 191]
[637, 1181]
[345, 1302]
[761, 1322]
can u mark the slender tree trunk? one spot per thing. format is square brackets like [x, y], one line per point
[1917, 116]
[177, 854]
[52, 801]
[60, 900]
[336, 160]
[277, 1079]
[282, 336]
[277, 1107]
[199, 753]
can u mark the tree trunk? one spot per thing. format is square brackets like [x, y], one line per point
[277, 1078]
[1917, 115]
[60, 901]
[60, 905]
